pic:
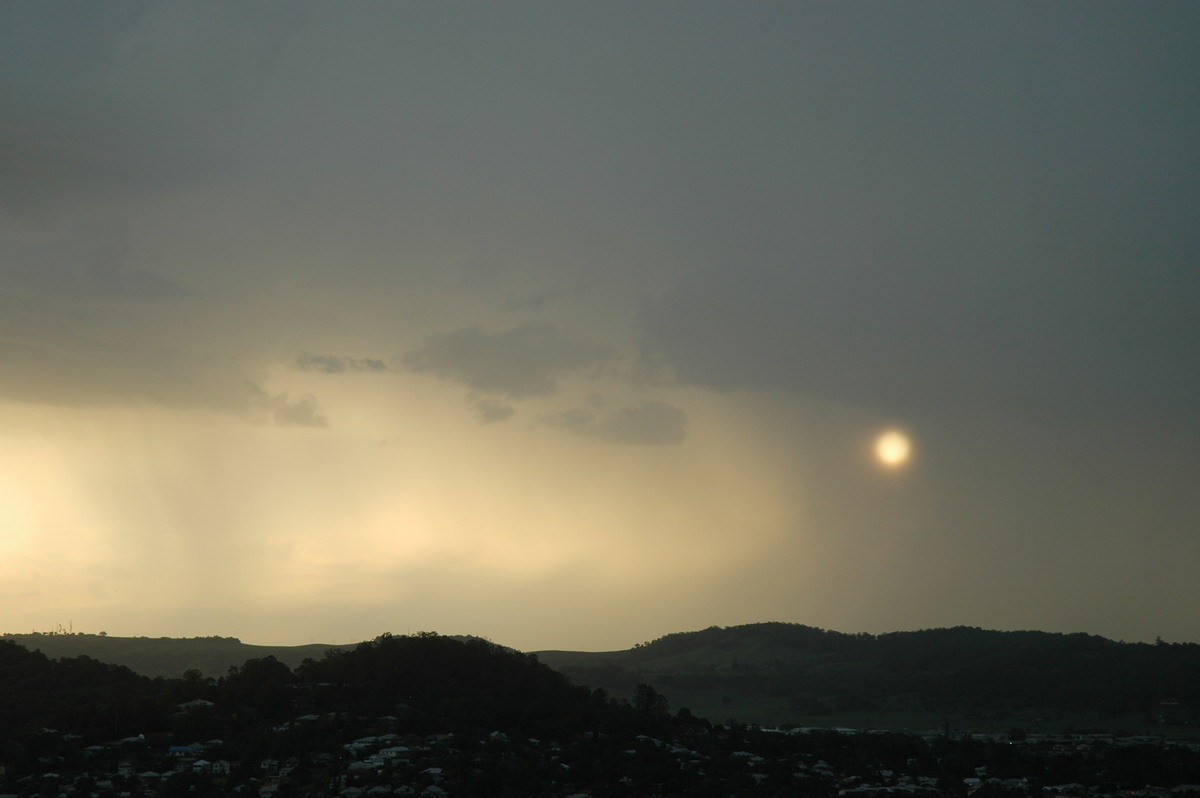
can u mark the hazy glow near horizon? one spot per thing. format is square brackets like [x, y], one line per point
[572, 325]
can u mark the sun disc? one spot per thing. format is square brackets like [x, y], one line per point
[893, 448]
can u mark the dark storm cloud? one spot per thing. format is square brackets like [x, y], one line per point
[108, 100]
[35, 164]
[645, 424]
[971, 231]
[332, 364]
[1044, 344]
[536, 302]
[89, 258]
[522, 361]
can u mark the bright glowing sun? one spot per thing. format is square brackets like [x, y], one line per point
[893, 448]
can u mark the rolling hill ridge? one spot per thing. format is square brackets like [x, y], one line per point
[794, 674]
[782, 673]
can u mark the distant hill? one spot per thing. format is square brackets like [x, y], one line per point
[779, 673]
[782, 673]
[168, 657]
[435, 683]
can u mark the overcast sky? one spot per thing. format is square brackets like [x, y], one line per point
[571, 325]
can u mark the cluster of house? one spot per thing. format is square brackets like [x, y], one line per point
[143, 767]
[392, 763]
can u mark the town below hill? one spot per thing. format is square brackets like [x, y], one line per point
[435, 716]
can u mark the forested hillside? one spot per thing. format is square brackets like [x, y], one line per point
[787, 672]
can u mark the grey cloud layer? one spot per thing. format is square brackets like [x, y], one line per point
[90, 257]
[1030, 335]
[645, 424]
[283, 410]
[650, 423]
[907, 216]
[493, 412]
[106, 101]
[1013, 240]
[333, 364]
[519, 362]
[528, 361]
[303, 411]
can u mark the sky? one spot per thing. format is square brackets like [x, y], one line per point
[572, 325]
